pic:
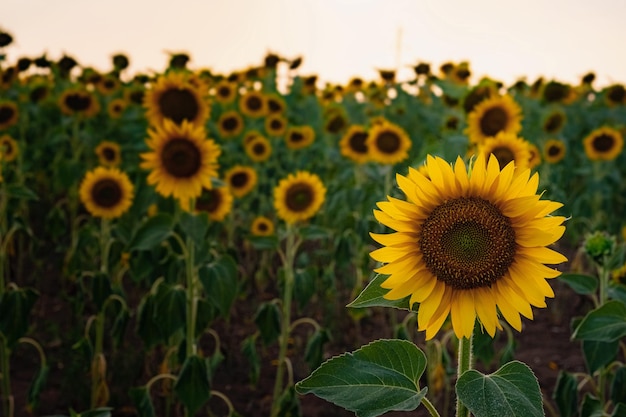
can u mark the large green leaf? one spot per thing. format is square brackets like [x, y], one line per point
[220, 283]
[142, 401]
[194, 226]
[152, 232]
[372, 296]
[193, 386]
[267, 319]
[580, 283]
[512, 390]
[379, 377]
[618, 386]
[599, 354]
[606, 323]
[15, 307]
[591, 407]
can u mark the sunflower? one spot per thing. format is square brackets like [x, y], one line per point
[469, 245]
[604, 143]
[116, 107]
[9, 114]
[535, 155]
[216, 202]
[182, 160]
[492, 116]
[507, 147]
[225, 91]
[108, 84]
[8, 148]
[275, 104]
[135, 93]
[275, 125]
[174, 98]
[615, 95]
[75, 101]
[106, 192]
[262, 226]
[258, 148]
[554, 151]
[299, 196]
[298, 137]
[241, 180]
[230, 124]
[554, 121]
[353, 144]
[335, 121]
[39, 89]
[388, 143]
[108, 153]
[253, 104]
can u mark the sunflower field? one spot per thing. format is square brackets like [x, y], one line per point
[265, 243]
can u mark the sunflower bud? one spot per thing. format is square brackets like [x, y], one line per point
[599, 246]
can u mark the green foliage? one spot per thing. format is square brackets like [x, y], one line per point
[193, 385]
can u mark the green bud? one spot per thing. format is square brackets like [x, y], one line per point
[599, 246]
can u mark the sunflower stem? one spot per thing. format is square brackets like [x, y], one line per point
[5, 389]
[430, 407]
[285, 323]
[464, 365]
[192, 304]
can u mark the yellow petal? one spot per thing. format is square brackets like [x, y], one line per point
[440, 315]
[397, 225]
[391, 254]
[486, 309]
[407, 265]
[394, 239]
[429, 306]
[542, 254]
[463, 313]
[427, 282]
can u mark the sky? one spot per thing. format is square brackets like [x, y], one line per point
[337, 39]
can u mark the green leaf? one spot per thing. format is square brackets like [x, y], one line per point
[566, 394]
[142, 401]
[15, 307]
[152, 232]
[288, 404]
[194, 226]
[248, 348]
[619, 410]
[606, 323]
[21, 192]
[314, 352]
[267, 320]
[591, 407]
[580, 283]
[372, 296]
[304, 287]
[193, 386]
[379, 377]
[311, 232]
[220, 282]
[512, 390]
[263, 242]
[617, 292]
[100, 289]
[37, 386]
[171, 309]
[618, 386]
[599, 354]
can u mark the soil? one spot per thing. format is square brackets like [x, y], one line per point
[544, 345]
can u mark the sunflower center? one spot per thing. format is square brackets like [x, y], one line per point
[181, 158]
[336, 124]
[493, 121]
[296, 137]
[276, 124]
[554, 123]
[230, 124]
[179, 105]
[467, 243]
[239, 179]
[299, 197]
[357, 142]
[109, 154]
[258, 149]
[209, 201]
[603, 143]
[504, 155]
[254, 103]
[617, 94]
[387, 142]
[224, 91]
[106, 193]
[262, 227]
[78, 102]
[554, 150]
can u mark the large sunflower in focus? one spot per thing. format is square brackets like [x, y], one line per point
[353, 144]
[106, 192]
[603, 144]
[299, 196]
[174, 98]
[182, 160]
[492, 116]
[388, 143]
[507, 147]
[469, 245]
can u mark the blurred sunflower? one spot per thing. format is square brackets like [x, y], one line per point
[230, 124]
[174, 98]
[241, 180]
[468, 245]
[492, 116]
[253, 104]
[299, 196]
[476, 95]
[216, 202]
[275, 125]
[335, 120]
[388, 143]
[106, 192]
[604, 143]
[298, 137]
[109, 154]
[554, 151]
[181, 159]
[506, 147]
[615, 95]
[76, 101]
[275, 104]
[9, 148]
[9, 114]
[116, 107]
[39, 89]
[108, 84]
[535, 155]
[134, 93]
[225, 92]
[554, 121]
[353, 144]
[262, 226]
[557, 92]
[258, 148]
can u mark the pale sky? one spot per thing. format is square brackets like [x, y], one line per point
[338, 39]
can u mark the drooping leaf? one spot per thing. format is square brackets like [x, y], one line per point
[372, 296]
[314, 352]
[591, 407]
[37, 386]
[193, 386]
[379, 377]
[194, 226]
[267, 320]
[566, 394]
[248, 348]
[142, 401]
[152, 232]
[618, 386]
[15, 307]
[606, 323]
[513, 390]
[220, 282]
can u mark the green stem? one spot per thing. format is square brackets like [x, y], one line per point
[464, 364]
[429, 406]
[192, 300]
[5, 391]
[97, 373]
[285, 324]
[604, 277]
